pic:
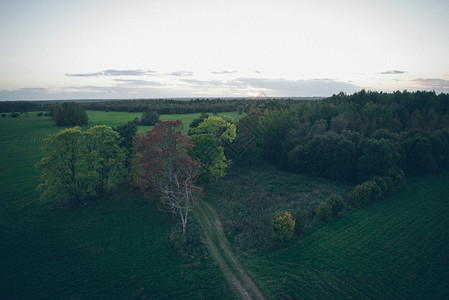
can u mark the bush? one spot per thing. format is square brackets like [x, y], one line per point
[365, 192]
[283, 226]
[330, 208]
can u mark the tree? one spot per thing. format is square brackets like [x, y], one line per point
[149, 118]
[105, 158]
[64, 169]
[240, 109]
[79, 165]
[167, 170]
[127, 132]
[70, 114]
[208, 137]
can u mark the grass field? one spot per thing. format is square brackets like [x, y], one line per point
[395, 249]
[113, 249]
[119, 248]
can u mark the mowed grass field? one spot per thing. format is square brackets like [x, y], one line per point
[117, 248]
[394, 249]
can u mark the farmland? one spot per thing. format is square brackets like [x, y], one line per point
[119, 248]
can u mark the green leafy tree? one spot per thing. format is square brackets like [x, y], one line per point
[70, 114]
[208, 139]
[211, 155]
[128, 132]
[197, 121]
[78, 165]
[105, 157]
[64, 168]
[240, 109]
[150, 118]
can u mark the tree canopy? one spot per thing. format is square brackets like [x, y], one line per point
[166, 169]
[79, 165]
[70, 114]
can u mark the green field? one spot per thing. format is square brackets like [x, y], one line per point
[396, 248]
[119, 248]
[114, 249]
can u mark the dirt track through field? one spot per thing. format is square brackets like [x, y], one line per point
[216, 241]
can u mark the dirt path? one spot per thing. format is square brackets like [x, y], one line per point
[216, 241]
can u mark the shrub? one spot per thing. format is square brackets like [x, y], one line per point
[365, 192]
[283, 226]
[330, 208]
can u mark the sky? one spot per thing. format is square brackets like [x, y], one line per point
[95, 49]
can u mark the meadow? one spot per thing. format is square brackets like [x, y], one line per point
[113, 249]
[119, 248]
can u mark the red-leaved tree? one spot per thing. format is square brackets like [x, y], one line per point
[167, 171]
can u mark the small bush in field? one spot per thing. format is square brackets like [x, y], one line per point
[330, 208]
[365, 192]
[283, 226]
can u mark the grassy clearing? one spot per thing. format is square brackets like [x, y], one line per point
[247, 198]
[397, 248]
[114, 249]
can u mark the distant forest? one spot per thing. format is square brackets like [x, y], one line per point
[161, 106]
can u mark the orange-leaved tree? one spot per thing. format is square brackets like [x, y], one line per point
[166, 169]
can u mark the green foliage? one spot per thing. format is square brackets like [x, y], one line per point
[208, 138]
[211, 155]
[283, 226]
[105, 158]
[80, 164]
[364, 193]
[197, 121]
[240, 109]
[219, 128]
[377, 158]
[330, 208]
[70, 114]
[149, 118]
[127, 132]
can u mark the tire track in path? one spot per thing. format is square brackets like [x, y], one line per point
[216, 241]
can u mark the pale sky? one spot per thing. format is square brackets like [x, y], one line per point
[84, 49]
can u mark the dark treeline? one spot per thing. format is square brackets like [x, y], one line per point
[355, 138]
[161, 106]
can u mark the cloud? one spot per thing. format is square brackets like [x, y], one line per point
[258, 72]
[435, 84]
[224, 72]
[137, 72]
[306, 88]
[97, 74]
[182, 73]
[131, 82]
[36, 93]
[432, 82]
[392, 72]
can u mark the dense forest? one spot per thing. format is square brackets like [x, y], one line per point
[368, 138]
[161, 106]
